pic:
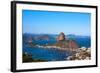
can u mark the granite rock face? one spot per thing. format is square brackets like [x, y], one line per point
[61, 37]
[66, 44]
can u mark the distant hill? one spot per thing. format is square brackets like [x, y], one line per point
[44, 37]
[27, 37]
[76, 36]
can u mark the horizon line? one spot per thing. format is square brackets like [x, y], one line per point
[57, 34]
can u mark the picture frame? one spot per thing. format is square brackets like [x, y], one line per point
[49, 13]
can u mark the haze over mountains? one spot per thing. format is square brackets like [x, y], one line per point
[43, 36]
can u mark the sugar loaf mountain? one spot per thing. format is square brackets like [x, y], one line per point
[48, 47]
[66, 44]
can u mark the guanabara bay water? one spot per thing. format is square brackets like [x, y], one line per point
[54, 47]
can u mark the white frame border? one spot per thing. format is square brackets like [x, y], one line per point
[21, 65]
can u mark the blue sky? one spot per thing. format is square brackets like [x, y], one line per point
[50, 22]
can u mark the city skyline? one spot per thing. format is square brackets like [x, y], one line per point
[50, 22]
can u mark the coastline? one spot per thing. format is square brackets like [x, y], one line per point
[56, 47]
[77, 54]
[82, 54]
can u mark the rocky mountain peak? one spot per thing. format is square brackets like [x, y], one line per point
[61, 37]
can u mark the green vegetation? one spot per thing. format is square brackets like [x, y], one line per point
[28, 58]
[63, 43]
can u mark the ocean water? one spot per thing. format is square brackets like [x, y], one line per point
[47, 54]
[53, 54]
[83, 42]
[44, 42]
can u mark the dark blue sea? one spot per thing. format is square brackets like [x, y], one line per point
[53, 54]
[47, 54]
